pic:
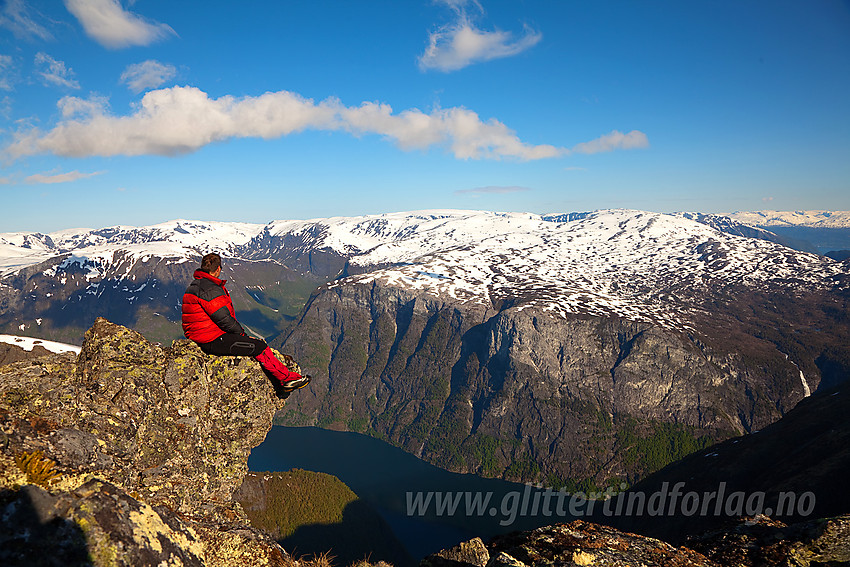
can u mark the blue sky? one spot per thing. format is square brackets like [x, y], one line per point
[137, 112]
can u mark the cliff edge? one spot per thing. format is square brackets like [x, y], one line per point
[129, 454]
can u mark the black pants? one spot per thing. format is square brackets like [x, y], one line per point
[231, 344]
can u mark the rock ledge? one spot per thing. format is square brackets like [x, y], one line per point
[147, 445]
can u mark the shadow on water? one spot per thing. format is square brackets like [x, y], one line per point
[405, 490]
[32, 535]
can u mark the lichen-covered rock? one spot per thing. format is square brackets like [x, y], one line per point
[140, 435]
[96, 521]
[584, 543]
[764, 542]
[472, 552]
[751, 542]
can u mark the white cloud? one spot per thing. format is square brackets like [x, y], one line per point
[6, 107]
[616, 140]
[179, 120]
[493, 190]
[146, 75]
[6, 72]
[458, 128]
[108, 23]
[454, 48]
[16, 17]
[55, 72]
[461, 44]
[40, 178]
[74, 106]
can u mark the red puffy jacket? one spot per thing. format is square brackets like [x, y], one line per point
[207, 309]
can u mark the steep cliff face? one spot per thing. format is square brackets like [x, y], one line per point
[130, 454]
[792, 465]
[513, 391]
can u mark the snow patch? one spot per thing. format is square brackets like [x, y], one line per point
[27, 343]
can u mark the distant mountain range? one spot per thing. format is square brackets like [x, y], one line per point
[573, 263]
[581, 347]
[824, 232]
[811, 219]
[54, 285]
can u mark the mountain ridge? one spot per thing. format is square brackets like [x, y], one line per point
[614, 325]
[182, 234]
[807, 218]
[589, 257]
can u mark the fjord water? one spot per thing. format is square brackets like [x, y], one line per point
[384, 476]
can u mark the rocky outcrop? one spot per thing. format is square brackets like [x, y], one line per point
[514, 391]
[576, 543]
[10, 353]
[764, 542]
[752, 542]
[472, 552]
[130, 454]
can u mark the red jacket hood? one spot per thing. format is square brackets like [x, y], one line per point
[200, 274]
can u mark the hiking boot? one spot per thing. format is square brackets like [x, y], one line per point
[280, 392]
[297, 384]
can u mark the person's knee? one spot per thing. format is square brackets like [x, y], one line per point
[241, 348]
[247, 346]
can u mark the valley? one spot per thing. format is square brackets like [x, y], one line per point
[578, 350]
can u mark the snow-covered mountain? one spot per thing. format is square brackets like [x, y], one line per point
[824, 232]
[633, 264]
[811, 219]
[96, 249]
[637, 265]
[365, 240]
[463, 334]
[502, 342]
[53, 285]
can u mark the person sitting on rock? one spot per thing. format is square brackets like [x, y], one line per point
[210, 320]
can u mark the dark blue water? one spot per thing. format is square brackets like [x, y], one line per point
[391, 480]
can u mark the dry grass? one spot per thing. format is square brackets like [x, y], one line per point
[327, 560]
[37, 467]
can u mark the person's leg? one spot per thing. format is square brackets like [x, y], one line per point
[231, 344]
[270, 363]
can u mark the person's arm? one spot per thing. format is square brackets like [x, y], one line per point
[225, 321]
[218, 309]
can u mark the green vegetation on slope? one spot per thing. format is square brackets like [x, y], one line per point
[297, 498]
[649, 446]
[312, 513]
